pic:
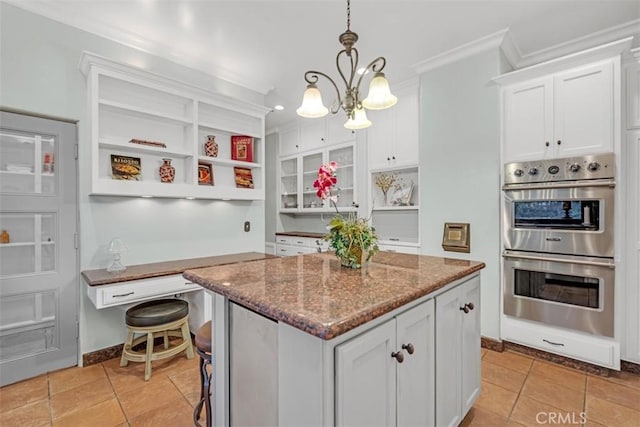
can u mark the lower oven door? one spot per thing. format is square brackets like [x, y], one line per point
[557, 290]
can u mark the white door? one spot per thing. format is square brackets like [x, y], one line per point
[407, 127]
[528, 121]
[366, 379]
[583, 119]
[448, 358]
[470, 295]
[39, 261]
[415, 383]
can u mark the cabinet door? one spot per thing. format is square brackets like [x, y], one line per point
[310, 164]
[416, 382]
[344, 156]
[289, 183]
[336, 132]
[366, 378]
[448, 359]
[380, 138]
[583, 119]
[470, 295]
[405, 145]
[528, 118]
[632, 91]
[289, 141]
[313, 134]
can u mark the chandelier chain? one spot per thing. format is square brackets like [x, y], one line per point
[348, 15]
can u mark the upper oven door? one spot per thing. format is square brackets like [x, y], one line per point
[573, 218]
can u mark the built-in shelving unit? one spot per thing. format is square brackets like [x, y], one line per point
[128, 103]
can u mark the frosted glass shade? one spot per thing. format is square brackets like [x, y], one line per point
[359, 120]
[380, 96]
[312, 106]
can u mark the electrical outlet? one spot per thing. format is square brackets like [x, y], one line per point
[247, 226]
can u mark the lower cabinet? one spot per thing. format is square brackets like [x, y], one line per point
[457, 352]
[386, 375]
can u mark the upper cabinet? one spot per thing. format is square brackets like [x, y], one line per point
[392, 139]
[568, 113]
[154, 136]
[313, 134]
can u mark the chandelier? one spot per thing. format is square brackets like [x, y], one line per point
[379, 96]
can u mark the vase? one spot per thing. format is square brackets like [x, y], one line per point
[167, 172]
[211, 146]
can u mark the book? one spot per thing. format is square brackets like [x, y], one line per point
[205, 174]
[242, 148]
[244, 179]
[125, 167]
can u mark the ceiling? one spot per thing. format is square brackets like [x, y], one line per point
[268, 45]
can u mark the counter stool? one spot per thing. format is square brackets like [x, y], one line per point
[203, 348]
[164, 317]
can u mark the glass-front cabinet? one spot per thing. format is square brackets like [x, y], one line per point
[28, 243]
[27, 163]
[297, 174]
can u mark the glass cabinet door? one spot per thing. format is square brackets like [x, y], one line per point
[346, 175]
[27, 243]
[27, 163]
[289, 183]
[310, 165]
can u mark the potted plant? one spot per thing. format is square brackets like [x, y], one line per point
[353, 239]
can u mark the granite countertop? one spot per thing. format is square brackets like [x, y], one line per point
[314, 293]
[300, 234]
[156, 269]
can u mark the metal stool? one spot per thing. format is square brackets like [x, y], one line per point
[166, 317]
[203, 348]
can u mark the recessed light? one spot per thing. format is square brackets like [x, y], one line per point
[146, 197]
[190, 198]
[279, 107]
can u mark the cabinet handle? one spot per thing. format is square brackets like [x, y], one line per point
[188, 283]
[393, 157]
[465, 309]
[398, 355]
[547, 143]
[559, 142]
[409, 347]
[471, 306]
[553, 343]
[322, 139]
[388, 159]
[299, 242]
[123, 295]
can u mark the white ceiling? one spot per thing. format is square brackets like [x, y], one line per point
[268, 45]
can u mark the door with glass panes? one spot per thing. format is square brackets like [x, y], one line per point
[38, 246]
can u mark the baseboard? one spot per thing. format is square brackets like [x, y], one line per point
[492, 344]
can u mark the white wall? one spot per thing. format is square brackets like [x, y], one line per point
[39, 73]
[460, 167]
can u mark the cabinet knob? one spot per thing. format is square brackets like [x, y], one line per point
[465, 308]
[393, 157]
[409, 347]
[559, 142]
[297, 146]
[388, 159]
[546, 144]
[471, 306]
[398, 355]
[322, 139]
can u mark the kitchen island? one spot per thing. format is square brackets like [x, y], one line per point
[303, 341]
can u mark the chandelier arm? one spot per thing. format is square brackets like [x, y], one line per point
[373, 67]
[311, 77]
[344, 79]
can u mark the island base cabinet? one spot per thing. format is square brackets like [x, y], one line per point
[457, 352]
[384, 377]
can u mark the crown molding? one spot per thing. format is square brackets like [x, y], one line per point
[622, 31]
[51, 10]
[483, 44]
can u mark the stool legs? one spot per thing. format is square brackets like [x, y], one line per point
[205, 390]
[127, 346]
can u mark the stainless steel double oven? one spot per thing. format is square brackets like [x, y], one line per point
[559, 242]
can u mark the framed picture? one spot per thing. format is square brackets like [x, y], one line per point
[125, 167]
[244, 179]
[456, 237]
[242, 148]
[205, 173]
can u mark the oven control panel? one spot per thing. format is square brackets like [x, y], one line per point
[595, 166]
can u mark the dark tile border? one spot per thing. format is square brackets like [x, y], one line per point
[560, 360]
[492, 344]
[634, 368]
[114, 351]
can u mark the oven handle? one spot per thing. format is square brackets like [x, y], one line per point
[552, 259]
[575, 184]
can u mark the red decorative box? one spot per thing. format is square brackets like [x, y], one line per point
[242, 148]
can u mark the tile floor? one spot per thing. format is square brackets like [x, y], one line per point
[517, 390]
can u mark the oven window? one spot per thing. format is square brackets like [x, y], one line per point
[573, 290]
[558, 214]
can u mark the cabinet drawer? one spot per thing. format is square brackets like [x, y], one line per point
[599, 351]
[399, 248]
[139, 290]
[288, 250]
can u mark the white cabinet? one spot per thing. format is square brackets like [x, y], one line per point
[148, 118]
[295, 245]
[314, 134]
[457, 352]
[385, 376]
[632, 92]
[289, 141]
[561, 115]
[297, 174]
[392, 139]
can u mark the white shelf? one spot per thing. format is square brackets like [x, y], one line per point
[227, 162]
[141, 148]
[43, 174]
[133, 110]
[17, 244]
[223, 128]
[396, 208]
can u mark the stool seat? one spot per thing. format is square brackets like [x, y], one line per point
[203, 337]
[152, 313]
